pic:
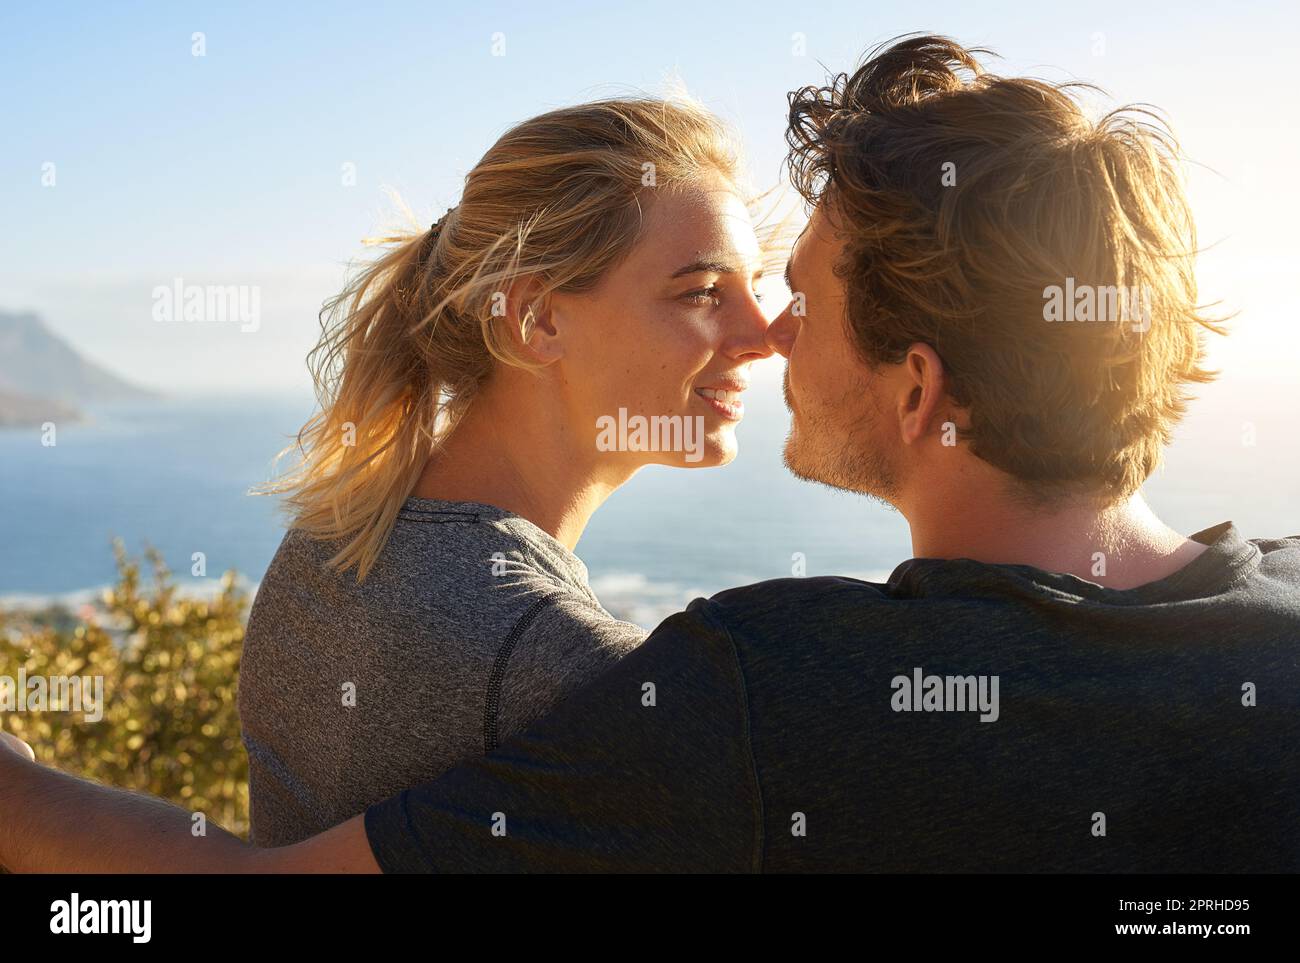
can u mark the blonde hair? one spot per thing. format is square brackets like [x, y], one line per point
[407, 344]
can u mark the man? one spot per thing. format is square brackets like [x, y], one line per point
[993, 324]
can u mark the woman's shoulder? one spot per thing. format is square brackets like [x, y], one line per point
[559, 644]
[506, 541]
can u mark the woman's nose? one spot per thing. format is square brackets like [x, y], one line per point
[748, 334]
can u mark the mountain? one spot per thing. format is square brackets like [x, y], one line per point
[20, 411]
[40, 372]
[36, 361]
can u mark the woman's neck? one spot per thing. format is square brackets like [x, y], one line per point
[524, 458]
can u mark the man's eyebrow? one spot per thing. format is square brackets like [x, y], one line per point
[706, 266]
[789, 280]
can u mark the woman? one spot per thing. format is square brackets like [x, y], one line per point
[477, 385]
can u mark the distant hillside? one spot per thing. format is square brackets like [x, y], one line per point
[38, 368]
[19, 411]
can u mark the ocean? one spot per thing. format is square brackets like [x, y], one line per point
[176, 473]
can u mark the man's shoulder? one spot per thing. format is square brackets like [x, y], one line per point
[1284, 550]
[781, 596]
[775, 608]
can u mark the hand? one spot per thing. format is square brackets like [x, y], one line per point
[10, 743]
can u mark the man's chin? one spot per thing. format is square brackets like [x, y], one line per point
[799, 464]
[823, 471]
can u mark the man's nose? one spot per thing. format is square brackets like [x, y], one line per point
[780, 334]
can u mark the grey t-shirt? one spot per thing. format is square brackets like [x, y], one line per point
[472, 623]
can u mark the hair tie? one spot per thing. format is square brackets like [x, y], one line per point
[436, 226]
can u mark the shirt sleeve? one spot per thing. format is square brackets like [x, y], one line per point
[567, 644]
[647, 769]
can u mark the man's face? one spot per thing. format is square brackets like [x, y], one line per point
[840, 430]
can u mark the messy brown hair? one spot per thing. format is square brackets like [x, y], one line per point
[962, 198]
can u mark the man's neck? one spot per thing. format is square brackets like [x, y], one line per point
[1120, 546]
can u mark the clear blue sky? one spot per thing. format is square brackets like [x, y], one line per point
[225, 169]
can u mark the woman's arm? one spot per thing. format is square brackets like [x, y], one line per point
[51, 822]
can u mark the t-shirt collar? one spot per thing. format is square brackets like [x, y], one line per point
[1227, 554]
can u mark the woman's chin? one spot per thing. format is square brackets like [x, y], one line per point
[714, 449]
[719, 449]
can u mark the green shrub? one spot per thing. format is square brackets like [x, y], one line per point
[170, 666]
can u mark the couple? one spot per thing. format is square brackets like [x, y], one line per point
[1056, 681]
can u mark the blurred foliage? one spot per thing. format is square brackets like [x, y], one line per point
[170, 665]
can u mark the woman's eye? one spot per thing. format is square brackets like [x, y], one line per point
[707, 295]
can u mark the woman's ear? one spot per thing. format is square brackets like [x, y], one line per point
[532, 319]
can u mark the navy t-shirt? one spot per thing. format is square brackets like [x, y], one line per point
[962, 717]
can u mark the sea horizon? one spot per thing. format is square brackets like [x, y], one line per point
[174, 473]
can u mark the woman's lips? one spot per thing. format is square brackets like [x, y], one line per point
[725, 401]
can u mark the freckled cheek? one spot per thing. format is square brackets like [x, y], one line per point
[696, 342]
[671, 356]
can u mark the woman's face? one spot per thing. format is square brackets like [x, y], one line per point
[656, 356]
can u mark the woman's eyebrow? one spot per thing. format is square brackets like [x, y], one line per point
[707, 266]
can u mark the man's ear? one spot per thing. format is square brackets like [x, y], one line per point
[924, 397]
[532, 323]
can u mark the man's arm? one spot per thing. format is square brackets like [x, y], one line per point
[51, 822]
[648, 768]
